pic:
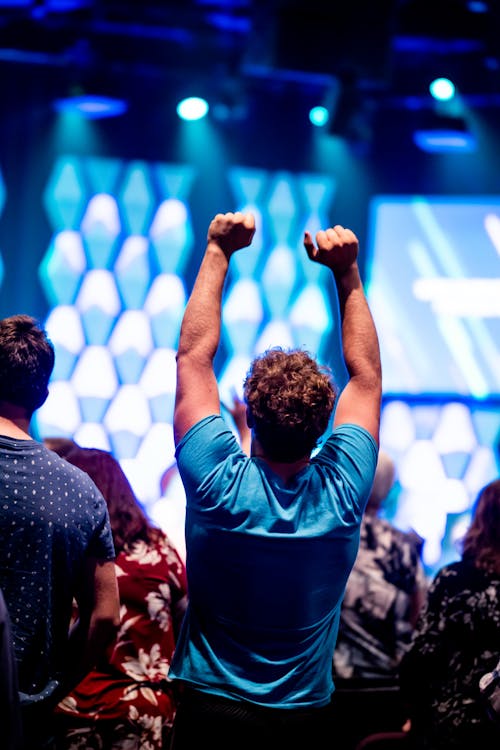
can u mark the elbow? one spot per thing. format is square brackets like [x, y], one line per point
[107, 622]
[115, 622]
[106, 628]
[194, 358]
[368, 374]
[114, 619]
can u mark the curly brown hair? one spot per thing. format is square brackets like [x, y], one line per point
[290, 399]
[481, 543]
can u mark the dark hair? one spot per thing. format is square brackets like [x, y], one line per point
[481, 543]
[290, 399]
[129, 522]
[26, 362]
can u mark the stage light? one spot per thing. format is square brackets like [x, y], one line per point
[477, 6]
[442, 89]
[319, 116]
[192, 108]
[91, 106]
[441, 134]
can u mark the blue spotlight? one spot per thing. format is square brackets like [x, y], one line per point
[442, 89]
[443, 135]
[91, 106]
[319, 116]
[192, 108]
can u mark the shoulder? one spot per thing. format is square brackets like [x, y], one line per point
[463, 581]
[350, 438]
[409, 542]
[446, 576]
[456, 573]
[205, 429]
[352, 453]
[69, 471]
[205, 445]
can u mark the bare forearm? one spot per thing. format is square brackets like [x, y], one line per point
[196, 393]
[359, 401]
[87, 645]
[201, 325]
[359, 336]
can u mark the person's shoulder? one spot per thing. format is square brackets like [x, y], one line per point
[467, 588]
[383, 538]
[60, 462]
[405, 538]
[68, 471]
[205, 426]
[352, 428]
[349, 435]
[209, 437]
[465, 569]
[450, 578]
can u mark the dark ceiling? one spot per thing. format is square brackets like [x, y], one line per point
[383, 51]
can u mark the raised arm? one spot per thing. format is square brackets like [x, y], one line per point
[197, 394]
[360, 400]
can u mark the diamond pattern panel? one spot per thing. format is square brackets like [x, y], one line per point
[63, 267]
[112, 272]
[114, 275]
[445, 453]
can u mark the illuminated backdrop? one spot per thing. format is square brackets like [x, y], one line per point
[116, 274]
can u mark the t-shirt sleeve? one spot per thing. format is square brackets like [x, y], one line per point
[351, 453]
[204, 447]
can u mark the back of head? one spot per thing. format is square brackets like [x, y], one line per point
[128, 521]
[383, 481]
[26, 362]
[290, 399]
[481, 543]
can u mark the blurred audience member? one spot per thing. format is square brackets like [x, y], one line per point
[10, 706]
[385, 592]
[126, 702]
[457, 640]
[238, 412]
[55, 541]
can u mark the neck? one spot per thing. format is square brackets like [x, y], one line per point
[283, 469]
[13, 422]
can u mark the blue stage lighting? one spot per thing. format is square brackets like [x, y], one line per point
[319, 116]
[441, 134]
[442, 89]
[91, 106]
[192, 108]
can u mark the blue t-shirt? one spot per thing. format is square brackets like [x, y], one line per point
[52, 518]
[267, 564]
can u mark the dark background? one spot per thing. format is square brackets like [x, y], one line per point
[262, 65]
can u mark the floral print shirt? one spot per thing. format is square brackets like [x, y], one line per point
[133, 684]
[456, 641]
[385, 588]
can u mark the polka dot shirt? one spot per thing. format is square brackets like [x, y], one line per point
[52, 518]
